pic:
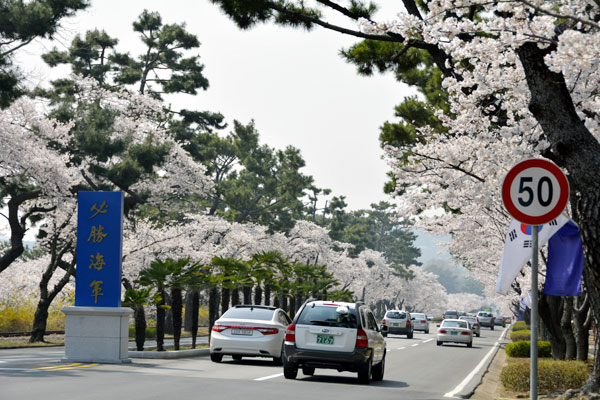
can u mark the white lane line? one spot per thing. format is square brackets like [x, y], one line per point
[401, 348]
[428, 340]
[413, 345]
[264, 378]
[462, 385]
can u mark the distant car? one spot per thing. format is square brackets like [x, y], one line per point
[334, 335]
[249, 331]
[419, 322]
[473, 324]
[397, 322]
[500, 321]
[486, 318]
[454, 331]
[450, 314]
[508, 320]
[430, 317]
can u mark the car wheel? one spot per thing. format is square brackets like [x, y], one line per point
[492, 327]
[290, 370]
[236, 357]
[439, 343]
[470, 344]
[427, 331]
[478, 334]
[384, 334]
[216, 357]
[409, 335]
[309, 371]
[378, 370]
[364, 372]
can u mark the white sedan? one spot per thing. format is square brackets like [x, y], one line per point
[250, 331]
[454, 331]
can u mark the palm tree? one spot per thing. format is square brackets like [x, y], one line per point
[155, 276]
[137, 299]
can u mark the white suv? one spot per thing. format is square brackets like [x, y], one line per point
[335, 335]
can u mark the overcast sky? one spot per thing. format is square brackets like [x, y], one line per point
[292, 83]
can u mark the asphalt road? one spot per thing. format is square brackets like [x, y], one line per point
[415, 369]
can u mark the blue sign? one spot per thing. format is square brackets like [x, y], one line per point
[99, 249]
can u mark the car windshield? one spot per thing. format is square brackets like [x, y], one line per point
[327, 316]
[451, 313]
[395, 315]
[249, 313]
[454, 324]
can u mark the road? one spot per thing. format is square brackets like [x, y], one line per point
[415, 369]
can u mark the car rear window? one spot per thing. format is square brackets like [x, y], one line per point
[419, 316]
[454, 324]
[249, 313]
[484, 314]
[395, 315]
[327, 316]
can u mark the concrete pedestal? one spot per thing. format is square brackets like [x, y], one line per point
[97, 334]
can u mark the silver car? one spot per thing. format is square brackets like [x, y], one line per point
[454, 331]
[420, 322]
[474, 324]
[249, 331]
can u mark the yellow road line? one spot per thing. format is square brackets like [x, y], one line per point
[66, 367]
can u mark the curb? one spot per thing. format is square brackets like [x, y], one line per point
[169, 354]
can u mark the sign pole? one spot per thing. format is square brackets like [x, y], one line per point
[533, 372]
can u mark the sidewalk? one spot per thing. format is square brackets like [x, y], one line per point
[491, 387]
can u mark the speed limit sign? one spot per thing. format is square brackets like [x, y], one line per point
[535, 191]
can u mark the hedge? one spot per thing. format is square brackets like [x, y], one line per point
[523, 349]
[520, 335]
[519, 326]
[553, 375]
[150, 332]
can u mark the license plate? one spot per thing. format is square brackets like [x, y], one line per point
[454, 333]
[395, 324]
[324, 339]
[245, 332]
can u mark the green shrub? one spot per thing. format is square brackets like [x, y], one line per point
[519, 326]
[520, 335]
[553, 375]
[150, 332]
[523, 349]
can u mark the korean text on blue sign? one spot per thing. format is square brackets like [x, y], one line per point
[99, 249]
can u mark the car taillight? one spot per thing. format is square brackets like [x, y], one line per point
[290, 333]
[361, 339]
[219, 328]
[423, 321]
[383, 321]
[443, 331]
[465, 333]
[268, 331]
[408, 322]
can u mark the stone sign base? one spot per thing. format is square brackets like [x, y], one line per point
[97, 334]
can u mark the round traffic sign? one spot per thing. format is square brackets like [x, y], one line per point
[535, 191]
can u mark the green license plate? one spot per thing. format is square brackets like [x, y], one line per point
[454, 333]
[324, 339]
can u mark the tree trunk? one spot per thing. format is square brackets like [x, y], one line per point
[40, 320]
[187, 316]
[574, 148]
[247, 292]
[258, 294]
[582, 322]
[160, 322]
[292, 310]
[267, 294]
[139, 316]
[567, 329]
[225, 297]
[551, 310]
[176, 312]
[235, 297]
[213, 307]
[195, 295]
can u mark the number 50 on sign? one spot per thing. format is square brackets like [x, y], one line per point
[535, 191]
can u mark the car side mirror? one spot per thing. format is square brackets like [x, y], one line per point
[412, 319]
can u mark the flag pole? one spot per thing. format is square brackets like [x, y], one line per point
[533, 377]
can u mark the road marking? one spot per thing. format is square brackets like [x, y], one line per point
[413, 345]
[401, 348]
[65, 367]
[462, 385]
[264, 378]
[428, 340]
